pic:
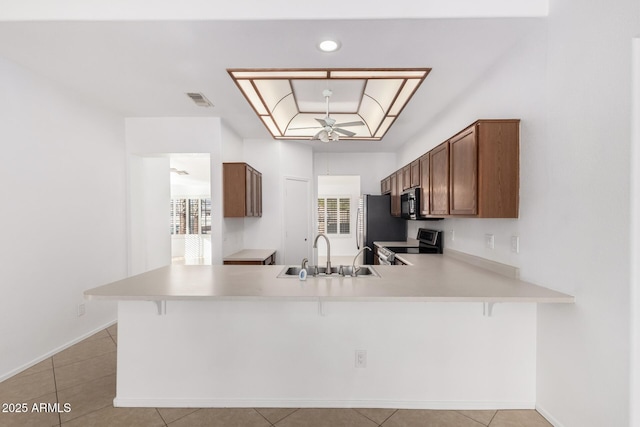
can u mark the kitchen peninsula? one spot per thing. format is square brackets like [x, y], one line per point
[221, 336]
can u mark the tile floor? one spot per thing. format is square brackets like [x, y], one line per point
[84, 376]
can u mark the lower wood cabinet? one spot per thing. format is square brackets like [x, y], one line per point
[251, 257]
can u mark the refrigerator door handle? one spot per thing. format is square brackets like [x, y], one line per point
[358, 229]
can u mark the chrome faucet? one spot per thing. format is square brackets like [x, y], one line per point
[304, 264]
[315, 245]
[355, 270]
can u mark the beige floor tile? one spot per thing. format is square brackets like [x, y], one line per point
[102, 334]
[222, 417]
[113, 330]
[37, 416]
[418, 418]
[378, 415]
[273, 415]
[170, 415]
[483, 417]
[84, 350]
[88, 397]
[111, 417]
[309, 417]
[38, 367]
[519, 418]
[22, 388]
[85, 370]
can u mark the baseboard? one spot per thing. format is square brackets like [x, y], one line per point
[554, 422]
[301, 403]
[52, 352]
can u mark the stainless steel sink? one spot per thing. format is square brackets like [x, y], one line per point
[363, 271]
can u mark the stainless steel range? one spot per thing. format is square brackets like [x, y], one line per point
[429, 242]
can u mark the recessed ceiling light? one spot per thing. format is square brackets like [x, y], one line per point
[329, 45]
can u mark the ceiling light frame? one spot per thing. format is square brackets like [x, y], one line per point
[274, 94]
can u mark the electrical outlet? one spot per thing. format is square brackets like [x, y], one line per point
[452, 235]
[515, 244]
[361, 358]
[81, 309]
[489, 241]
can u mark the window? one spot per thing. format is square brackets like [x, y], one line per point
[334, 215]
[190, 216]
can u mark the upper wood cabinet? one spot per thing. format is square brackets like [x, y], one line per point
[439, 179]
[396, 189]
[497, 145]
[406, 177]
[385, 185]
[424, 185]
[463, 173]
[415, 173]
[242, 190]
[476, 173]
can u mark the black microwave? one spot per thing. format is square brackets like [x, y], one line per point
[410, 203]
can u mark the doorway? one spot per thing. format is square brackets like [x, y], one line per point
[190, 209]
[150, 204]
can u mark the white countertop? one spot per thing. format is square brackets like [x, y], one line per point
[431, 278]
[250, 255]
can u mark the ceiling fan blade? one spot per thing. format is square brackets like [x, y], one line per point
[347, 124]
[344, 131]
[310, 127]
[323, 122]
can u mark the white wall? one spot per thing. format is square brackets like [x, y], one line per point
[583, 350]
[570, 85]
[150, 136]
[635, 237]
[275, 160]
[371, 167]
[62, 172]
[232, 228]
[419, 355]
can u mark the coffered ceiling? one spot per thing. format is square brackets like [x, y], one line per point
[145, 68]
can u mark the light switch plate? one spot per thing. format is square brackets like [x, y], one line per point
[515, 244]
[489, 241]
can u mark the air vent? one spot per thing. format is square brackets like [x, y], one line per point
[199, 99]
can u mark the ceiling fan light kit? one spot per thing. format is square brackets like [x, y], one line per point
[367, 100]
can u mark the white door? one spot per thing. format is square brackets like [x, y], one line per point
[297, 214]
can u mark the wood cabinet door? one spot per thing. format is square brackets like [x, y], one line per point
[258, 194]
[424, 185]
[415, 173]
[248, 195]
[463, 158]
[385, 186]
[395, 193]
[406, 178]
[439, 179]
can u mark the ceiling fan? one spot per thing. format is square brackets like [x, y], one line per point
[329, 129]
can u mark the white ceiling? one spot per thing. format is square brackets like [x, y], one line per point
[144, 68]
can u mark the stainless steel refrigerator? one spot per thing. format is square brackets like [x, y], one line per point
[375, 224]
